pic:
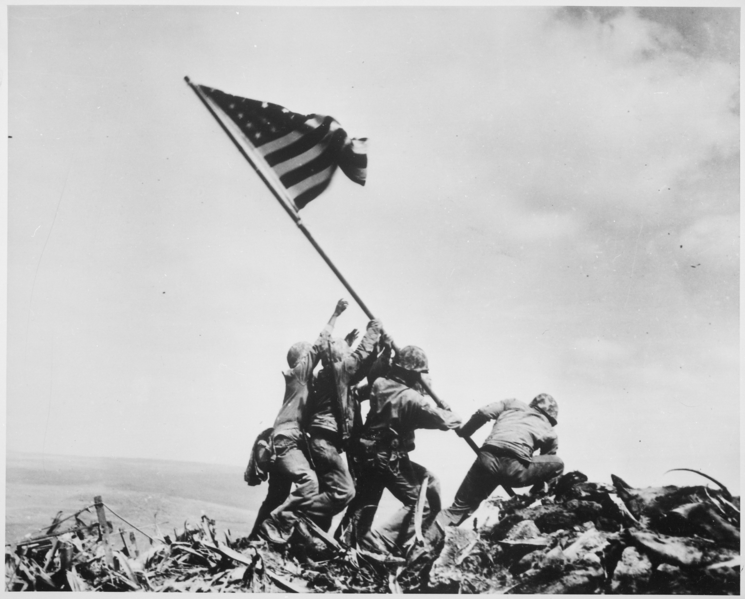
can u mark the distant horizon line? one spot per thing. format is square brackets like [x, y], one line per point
[110, 457]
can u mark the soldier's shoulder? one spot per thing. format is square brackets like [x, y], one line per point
[411, 396]
[515, 404]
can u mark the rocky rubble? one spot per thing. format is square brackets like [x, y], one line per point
[574, 537]
[583, 537]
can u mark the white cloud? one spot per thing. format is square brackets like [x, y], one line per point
[607, 117]
[714, 240]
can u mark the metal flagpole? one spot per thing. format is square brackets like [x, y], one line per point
[296, 218]
[284, 202]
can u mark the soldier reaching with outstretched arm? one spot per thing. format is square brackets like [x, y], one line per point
[506, 458]
[291, 464]
[330, 418]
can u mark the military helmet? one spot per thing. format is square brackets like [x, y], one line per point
[297, 351]
[546, 405]
[412, 358]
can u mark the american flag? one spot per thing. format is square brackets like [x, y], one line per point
[298, 152]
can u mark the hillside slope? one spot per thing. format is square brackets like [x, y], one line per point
[145, 492]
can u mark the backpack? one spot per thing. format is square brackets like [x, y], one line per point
[261, 459]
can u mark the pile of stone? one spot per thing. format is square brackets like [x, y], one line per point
[583, 537]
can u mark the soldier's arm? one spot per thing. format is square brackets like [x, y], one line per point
[423, 415]
[550, 446]
[354, 361]
[304, 368]
[482, 416]
[381, 363]
[341, 305]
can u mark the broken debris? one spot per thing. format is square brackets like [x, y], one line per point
[574, 537]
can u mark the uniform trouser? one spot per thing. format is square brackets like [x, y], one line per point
[488, 472]
[403, 478]
[335, 484]
[279, 490]
[291, 464]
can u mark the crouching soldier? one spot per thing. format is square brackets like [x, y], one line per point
[291, 465]
[330, 418]
[506, 458]
[397, 409]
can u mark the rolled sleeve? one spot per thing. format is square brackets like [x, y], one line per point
[425, 416]
[304, 368]
[474, 423]
[363, 350]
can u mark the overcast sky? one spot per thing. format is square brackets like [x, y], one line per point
[552, 206]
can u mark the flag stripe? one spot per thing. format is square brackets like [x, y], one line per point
[353, 159]
[296, 154]
[306, 197]
[307, 141]
[308, 184]
[280, 143]
[301, 159]
[318, 164]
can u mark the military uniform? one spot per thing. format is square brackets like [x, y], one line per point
[291, 463]
[506, 458]
[331, 414]
[396, 411]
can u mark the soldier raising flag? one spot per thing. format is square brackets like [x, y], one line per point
[296, 156]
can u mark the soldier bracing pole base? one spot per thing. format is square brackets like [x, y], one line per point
[506, 457]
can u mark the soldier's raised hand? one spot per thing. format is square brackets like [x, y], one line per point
[341, 305]
[375, 324]
[351, 336]
[386, 340]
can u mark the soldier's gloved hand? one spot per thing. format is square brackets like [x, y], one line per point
[473, 424]
[386, 341]
[341, 305]
[375, 324]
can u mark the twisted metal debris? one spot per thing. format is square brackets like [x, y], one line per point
[575, 537]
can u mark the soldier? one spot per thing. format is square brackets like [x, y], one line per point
[506, 458]
[397, 409]
[330, 420]
[291, 464]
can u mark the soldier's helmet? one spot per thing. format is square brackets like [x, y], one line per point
[547, 405]
[339, 349]
[412, 358]
[297, 351]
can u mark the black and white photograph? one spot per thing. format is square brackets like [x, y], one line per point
[373, 299]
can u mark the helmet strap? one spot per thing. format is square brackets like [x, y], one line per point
[408, 377]
[551, 419]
